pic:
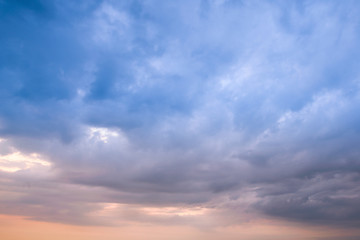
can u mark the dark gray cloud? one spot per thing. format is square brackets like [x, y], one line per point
[340, 238]
[330, 198]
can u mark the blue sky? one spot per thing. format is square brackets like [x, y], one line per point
[251, 108]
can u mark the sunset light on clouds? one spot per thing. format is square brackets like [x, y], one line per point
[194, 119]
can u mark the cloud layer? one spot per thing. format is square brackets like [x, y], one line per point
[240, 109]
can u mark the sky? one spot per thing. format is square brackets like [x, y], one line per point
[191, 119]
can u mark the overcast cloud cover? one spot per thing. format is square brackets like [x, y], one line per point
[239, 110]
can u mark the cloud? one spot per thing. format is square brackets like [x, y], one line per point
[214, 105]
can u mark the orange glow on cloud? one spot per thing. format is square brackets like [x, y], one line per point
[18, 228]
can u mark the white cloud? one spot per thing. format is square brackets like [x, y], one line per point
[109, 24]
[16, 161]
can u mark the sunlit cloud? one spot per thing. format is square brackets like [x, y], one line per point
[173, 211]
[16, 161]
[102, 134]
